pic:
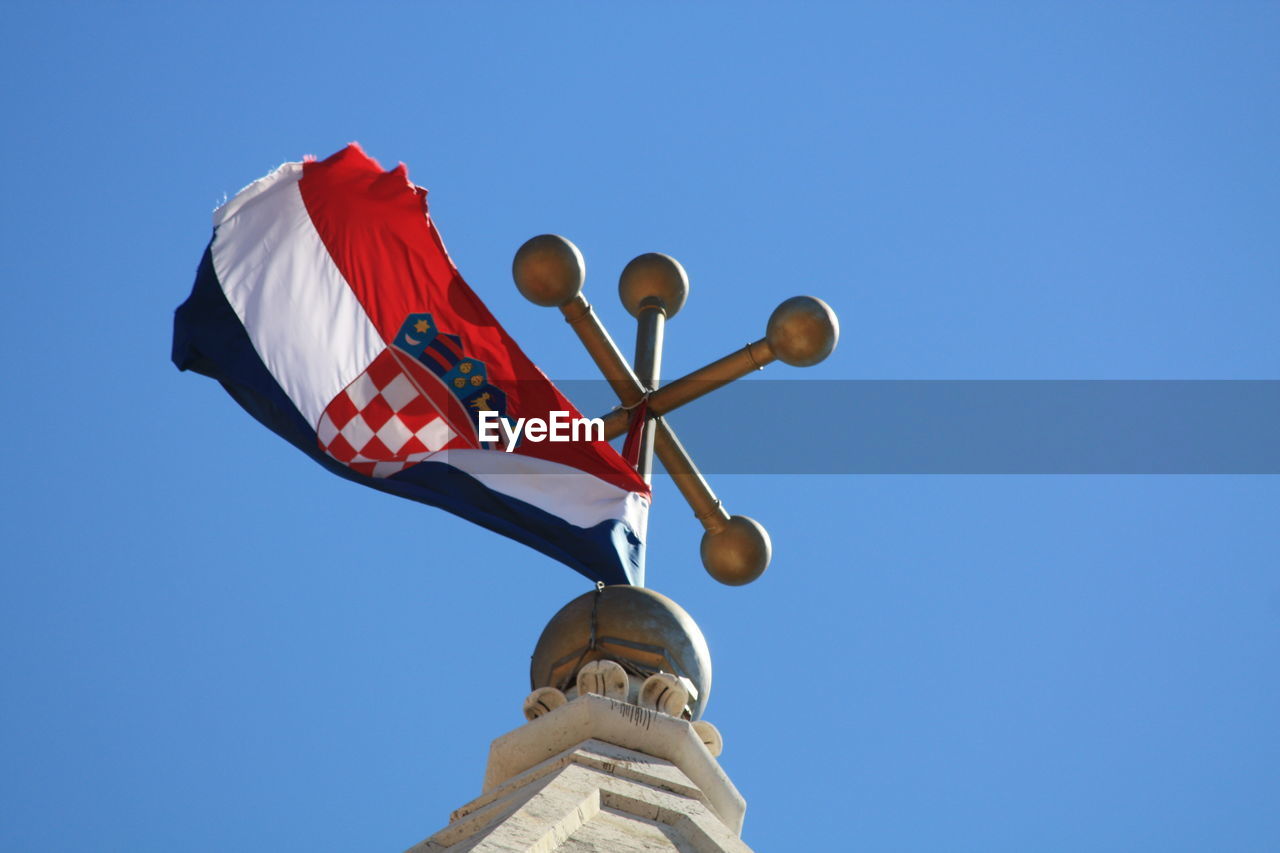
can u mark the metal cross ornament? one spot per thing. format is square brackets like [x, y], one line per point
[802, 331]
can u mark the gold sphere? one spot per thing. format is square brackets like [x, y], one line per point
[803, 331]
[549, 270]
[641, 629]
[738, 553]
[653, 276]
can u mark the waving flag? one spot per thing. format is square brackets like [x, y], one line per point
[327, 306]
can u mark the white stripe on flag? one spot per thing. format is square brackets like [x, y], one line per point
[579, 498]
[302, 317]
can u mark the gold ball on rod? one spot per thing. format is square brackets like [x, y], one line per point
[737, 553]
[653, 276]
[803, 331]
[549, 270]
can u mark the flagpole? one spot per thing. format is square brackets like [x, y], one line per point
[653, 287]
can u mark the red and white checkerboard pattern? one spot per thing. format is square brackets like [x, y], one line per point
[381, 423]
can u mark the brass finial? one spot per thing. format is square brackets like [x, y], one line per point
[653, 276]
[738, 552]
[802, 331]
[549, 270]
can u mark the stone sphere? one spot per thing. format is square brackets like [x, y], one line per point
[549, 270]
[803, 331]
[643, 630]
[657, 276]
[739, 553]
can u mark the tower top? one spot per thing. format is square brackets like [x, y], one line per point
[642, 631]
[612, 756]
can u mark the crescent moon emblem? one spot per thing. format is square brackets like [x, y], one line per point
[410, 341]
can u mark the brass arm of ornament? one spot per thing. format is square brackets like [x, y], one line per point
[549, 271]
[801, 332]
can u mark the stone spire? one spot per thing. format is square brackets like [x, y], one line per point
[614, 756]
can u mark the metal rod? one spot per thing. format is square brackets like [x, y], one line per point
[675, 459]
[704, 380]
[604, 352]
[688, 479]
[651, 324]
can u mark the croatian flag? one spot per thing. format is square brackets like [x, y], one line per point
[327, 306]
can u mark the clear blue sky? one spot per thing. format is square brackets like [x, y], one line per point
[210, 644]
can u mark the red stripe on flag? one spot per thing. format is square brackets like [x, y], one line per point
[448, 344]
[376, 228]
[444, 363]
